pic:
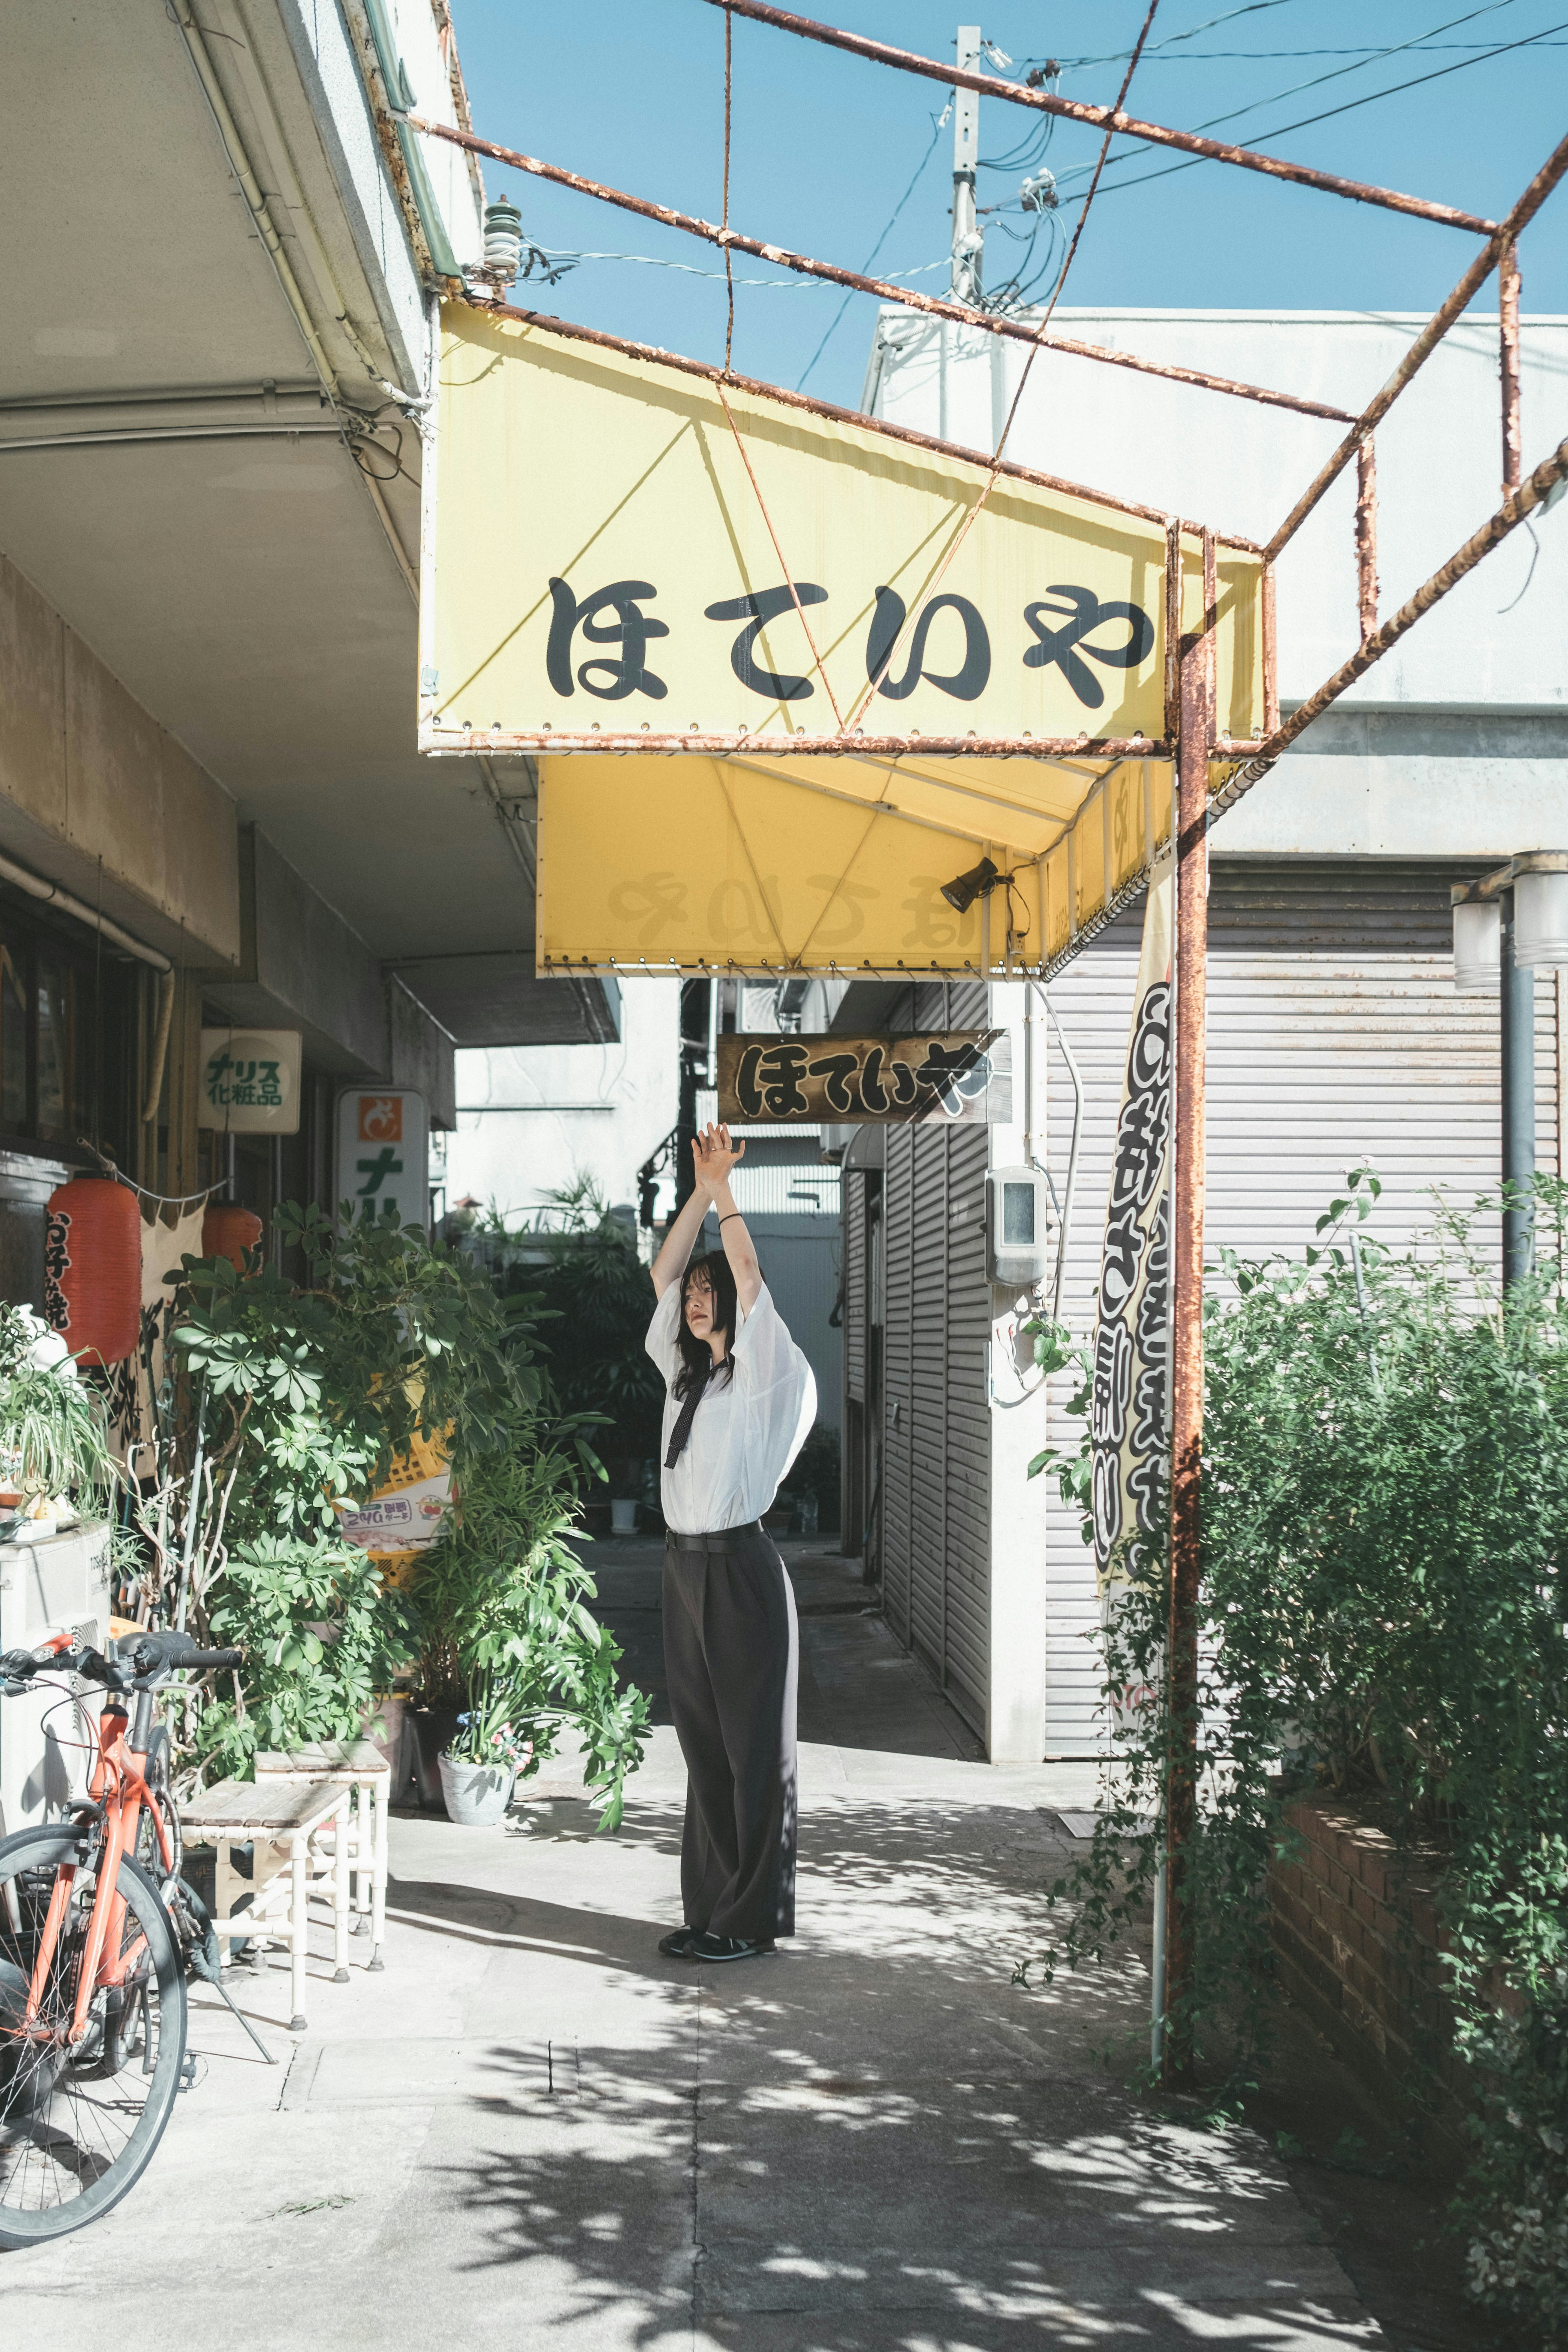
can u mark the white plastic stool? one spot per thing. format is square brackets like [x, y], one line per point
[297, 1834]
[362, 1765]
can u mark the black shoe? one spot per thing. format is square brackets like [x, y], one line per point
[726, 1947]
[677, 1947]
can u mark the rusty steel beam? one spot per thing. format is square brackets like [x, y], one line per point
[716, 375]
[1366, 536]
[1271, 623]
[1521, 503]
[1197, 699]
[1106, 117]
[1425, 343]
[1507, 361]
[731, 240]
[1173, 630]
[466, 741]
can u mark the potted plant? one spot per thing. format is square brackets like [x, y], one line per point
[54, 1430]
[508, 1635]
[480, 1764]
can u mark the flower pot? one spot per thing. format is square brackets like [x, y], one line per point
[476, 1794]
[624, 1516]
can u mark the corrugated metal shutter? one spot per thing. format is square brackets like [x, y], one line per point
[967, 1626]
[1335, 1038]
[898, 1221]
[936, 1558]
[856, 1303]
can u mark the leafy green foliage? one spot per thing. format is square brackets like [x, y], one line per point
[52, 1422]
[1384, 1537]
[301, 1396]
[1055, 1352]
[503, 1601]
[595, 1290]
[320, 1638]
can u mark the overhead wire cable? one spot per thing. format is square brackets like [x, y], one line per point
[745, 457]
[728, 263]
[716, 276]
[937, 121]
[1369, 98]
[1365, 58]
[994, 475]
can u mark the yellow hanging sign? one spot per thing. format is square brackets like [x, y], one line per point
[606, 544]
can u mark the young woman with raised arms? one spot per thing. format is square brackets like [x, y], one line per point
[741, 1401]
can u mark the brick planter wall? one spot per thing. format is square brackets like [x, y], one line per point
[1356, 1939]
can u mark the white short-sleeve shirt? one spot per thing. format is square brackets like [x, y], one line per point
[747, 1430]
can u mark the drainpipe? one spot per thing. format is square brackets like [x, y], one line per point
[53, 896]
[251, 190]
[1518, 1008]
[400, 101]
[267, 228]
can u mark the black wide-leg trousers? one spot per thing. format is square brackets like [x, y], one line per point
[731, 1652]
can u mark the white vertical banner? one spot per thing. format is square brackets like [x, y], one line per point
[1130, 1365]
[384, 1155]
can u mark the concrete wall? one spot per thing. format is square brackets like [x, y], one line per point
[301, 966]
[1238, 467]
[624, 1099]
[419, 1054]
[95, 796]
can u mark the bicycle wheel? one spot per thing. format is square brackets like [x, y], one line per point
[79, 2125]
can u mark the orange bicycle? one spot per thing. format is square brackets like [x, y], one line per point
[97, 1933]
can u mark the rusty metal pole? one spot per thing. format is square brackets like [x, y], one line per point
[1366, 537]
[1197, 707]
[1508, 338]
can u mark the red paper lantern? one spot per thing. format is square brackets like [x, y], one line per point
[228, 1231]
[92, 1269]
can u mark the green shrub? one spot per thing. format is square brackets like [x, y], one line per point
[290, 1401]
[1384, 1537]
[320, 1636]
[506, 1633]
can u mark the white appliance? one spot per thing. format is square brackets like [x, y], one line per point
[60, 1585]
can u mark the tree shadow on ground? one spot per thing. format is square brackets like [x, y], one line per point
[875, 2139]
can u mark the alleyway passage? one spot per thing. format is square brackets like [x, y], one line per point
[531, 2131]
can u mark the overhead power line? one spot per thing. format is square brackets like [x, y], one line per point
[937, 121]
[1283, 129]
[1315, 82]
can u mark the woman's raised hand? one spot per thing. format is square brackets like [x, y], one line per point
[713, 1155]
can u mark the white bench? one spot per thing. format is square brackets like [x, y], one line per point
[299, 1836]
[362, 1765]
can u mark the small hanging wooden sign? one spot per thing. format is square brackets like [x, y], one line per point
[955, 1075]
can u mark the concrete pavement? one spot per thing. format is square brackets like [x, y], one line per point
[532, 2130]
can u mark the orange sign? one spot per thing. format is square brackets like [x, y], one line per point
[381, 1118]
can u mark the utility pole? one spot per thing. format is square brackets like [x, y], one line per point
[968, 237]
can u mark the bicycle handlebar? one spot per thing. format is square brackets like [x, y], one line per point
[148, 1658]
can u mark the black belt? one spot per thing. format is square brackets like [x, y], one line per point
[725, 1539]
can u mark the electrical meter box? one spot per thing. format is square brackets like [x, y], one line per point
[1017, 1201]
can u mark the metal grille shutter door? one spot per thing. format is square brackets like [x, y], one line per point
[1335, 1037]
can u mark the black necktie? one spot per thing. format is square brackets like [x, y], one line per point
[682, 1429]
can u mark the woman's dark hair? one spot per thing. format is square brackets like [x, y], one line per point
[695, 1353]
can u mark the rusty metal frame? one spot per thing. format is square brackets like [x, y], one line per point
[988, 322]
[1105, 118]
[1190, 739]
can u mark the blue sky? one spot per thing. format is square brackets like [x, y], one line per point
[824, 147]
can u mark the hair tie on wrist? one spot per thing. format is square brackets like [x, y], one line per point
[725, 1219]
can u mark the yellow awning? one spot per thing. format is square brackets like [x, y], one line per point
[751, 643]
[833, 865]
